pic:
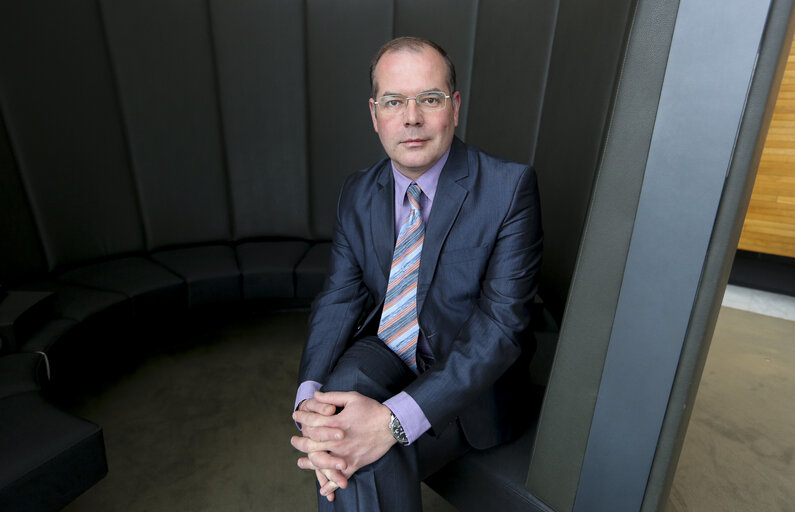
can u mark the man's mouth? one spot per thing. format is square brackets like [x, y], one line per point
[414, 142]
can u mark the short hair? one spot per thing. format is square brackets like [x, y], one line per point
[412, 44]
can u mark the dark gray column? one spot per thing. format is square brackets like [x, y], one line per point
[680, 149]
[712, 59]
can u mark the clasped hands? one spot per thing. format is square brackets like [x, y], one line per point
[337, 444]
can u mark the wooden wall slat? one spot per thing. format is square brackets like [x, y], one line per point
[770, 222]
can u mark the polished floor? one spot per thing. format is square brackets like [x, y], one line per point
[207, 428]
[739, 451]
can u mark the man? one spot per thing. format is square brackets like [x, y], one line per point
[419, 340]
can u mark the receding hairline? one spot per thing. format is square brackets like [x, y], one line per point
[413, 45]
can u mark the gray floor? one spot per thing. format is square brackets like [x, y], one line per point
[207, 428]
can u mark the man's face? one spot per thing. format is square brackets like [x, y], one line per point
[414, 139]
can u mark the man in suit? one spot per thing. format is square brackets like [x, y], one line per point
[418, 345]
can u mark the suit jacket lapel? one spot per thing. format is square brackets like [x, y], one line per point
[382, 222]
[450, 195]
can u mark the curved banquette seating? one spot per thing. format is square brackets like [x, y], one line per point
[159, 157]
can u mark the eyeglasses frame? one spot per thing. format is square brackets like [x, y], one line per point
[407, 98]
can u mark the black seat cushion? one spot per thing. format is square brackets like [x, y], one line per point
[211, 272]
[19, 373]
[492, 479]
[47, 457]
[80, 303]
[268, 268]
[48, 334]
[152, 288]
[312, 271]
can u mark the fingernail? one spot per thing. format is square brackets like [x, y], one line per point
[337, 436]
[339, 466]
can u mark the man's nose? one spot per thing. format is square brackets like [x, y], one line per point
[413, 113]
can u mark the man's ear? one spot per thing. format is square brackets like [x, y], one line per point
[373, 115]
[456, 99]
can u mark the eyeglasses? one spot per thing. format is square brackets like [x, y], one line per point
[430, 101]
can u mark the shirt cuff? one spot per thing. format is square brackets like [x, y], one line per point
[305, 390]
[409, 415]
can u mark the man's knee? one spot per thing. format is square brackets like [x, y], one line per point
[370, 368]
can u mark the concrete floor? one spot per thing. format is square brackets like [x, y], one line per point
[207, 428]
[739, 451]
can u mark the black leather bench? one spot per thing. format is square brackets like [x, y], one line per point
[47, 456]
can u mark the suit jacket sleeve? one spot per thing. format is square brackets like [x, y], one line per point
[491, 338]
[336, 309]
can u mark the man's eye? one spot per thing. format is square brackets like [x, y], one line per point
[430, 100]
[393, 103]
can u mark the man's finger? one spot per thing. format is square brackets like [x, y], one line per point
[307, 445]
[335, 479]
[322, 480]
[336, 398]
[324, 460]
[323, 433]
[314, 419]
[312, 405]
[305, 463]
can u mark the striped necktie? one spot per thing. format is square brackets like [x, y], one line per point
[399, 328]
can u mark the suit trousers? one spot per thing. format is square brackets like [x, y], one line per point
[391, 483]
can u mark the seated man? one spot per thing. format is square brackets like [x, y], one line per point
[418, 345]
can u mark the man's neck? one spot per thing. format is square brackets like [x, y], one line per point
[415, 175]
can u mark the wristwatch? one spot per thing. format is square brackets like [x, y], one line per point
[397, 430]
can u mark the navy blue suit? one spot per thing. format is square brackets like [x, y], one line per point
[477, 278]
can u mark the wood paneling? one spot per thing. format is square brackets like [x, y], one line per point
[770, 222]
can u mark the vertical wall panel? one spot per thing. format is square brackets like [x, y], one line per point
[342, 38]
[260, 52]
[21, 254]
[583, 77]
[589, 40]
[163, 59]
[509, 72]
[451, 24]
[62, 118]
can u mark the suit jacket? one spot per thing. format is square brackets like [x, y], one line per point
[477, 278]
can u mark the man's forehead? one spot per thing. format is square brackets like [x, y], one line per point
[422, 52]
[388, 68]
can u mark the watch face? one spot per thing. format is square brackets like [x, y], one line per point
[397, 430]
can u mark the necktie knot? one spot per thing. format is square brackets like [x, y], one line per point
[414, 196]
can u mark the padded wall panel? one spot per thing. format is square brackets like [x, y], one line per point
[260, 51]
[17, 226]
[341, 38]
[58, 101]
[588, 45]
[452, 26]
[163, 58]
[509, 72]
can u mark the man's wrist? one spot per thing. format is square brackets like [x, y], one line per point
[411, 417]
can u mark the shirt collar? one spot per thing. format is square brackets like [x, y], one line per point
[427, 182]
